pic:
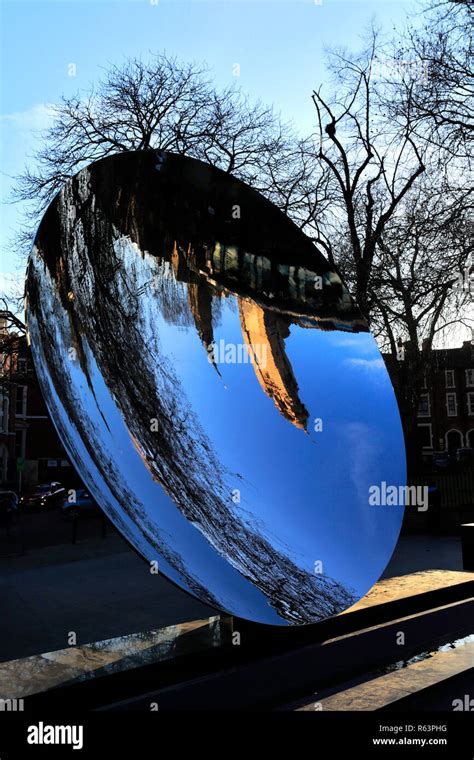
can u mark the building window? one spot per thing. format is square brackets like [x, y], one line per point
[22, 365]
[453, 440]
[20, 409]
[424, 386]
[470, 378]
[451, 405]
[449, 375]
[470, 404]
[426, 435]
[424, 405]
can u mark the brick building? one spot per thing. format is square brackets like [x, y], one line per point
[30, 450]
[445, 417]
[7, 427]
[446, 410]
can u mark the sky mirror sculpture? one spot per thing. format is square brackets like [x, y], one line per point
[216, 387]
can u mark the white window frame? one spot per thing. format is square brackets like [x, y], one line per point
[453, 430]
[428, 413]
[470, 382]
[430, 426]
[449, 373]
[470, 403]
[455, 413]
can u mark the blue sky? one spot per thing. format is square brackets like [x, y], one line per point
[279, 46]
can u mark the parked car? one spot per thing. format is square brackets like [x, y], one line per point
[8, 508]
[441, 459]
[44, 496]
[465, 456]
[8, 500]
[83, 504]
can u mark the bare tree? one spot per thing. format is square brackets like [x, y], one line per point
[438, 59]
[163, 105]
[11, 328]
[401, 203]
[371, 168]
[421, 277]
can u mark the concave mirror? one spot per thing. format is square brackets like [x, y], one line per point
[216, 387]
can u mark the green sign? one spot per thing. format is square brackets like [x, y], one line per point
[20, 464]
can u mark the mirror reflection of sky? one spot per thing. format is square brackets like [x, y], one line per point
[306, 491]
[237, 495]
[309, 491]
[159, 521]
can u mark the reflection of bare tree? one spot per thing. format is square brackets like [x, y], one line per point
[172, 296]
[103, 310]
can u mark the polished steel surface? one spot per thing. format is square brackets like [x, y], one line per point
[216, 387]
